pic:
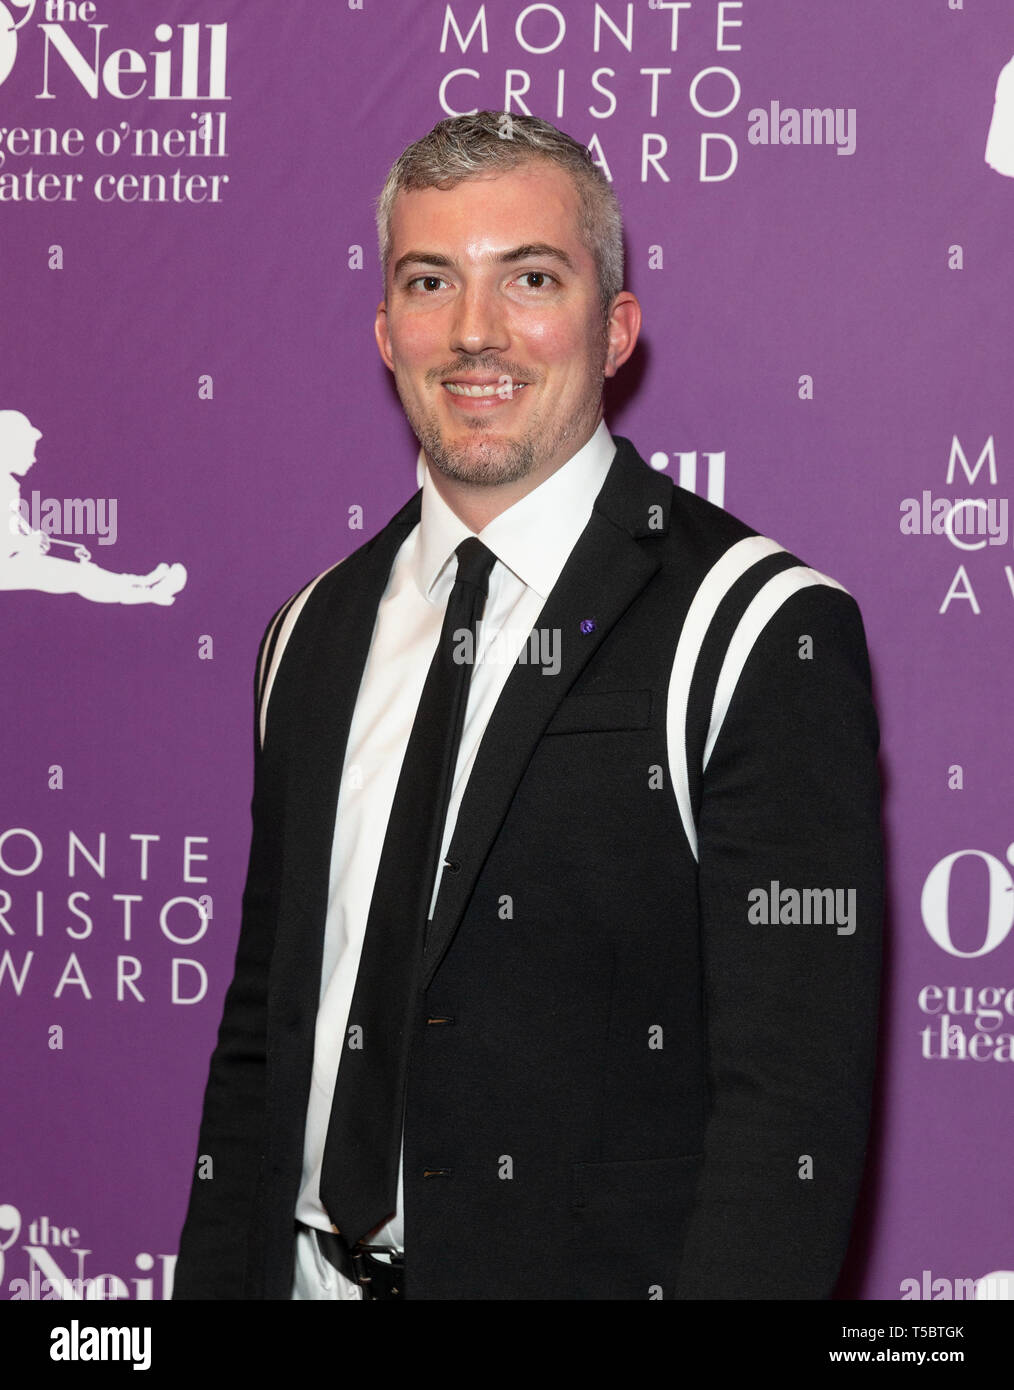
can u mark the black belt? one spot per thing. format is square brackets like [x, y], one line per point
[376, 1278]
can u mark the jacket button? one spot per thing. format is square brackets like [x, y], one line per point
[452, 865]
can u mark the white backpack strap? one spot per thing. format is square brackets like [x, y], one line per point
[275, 642]
[717, 583]
[759, 612]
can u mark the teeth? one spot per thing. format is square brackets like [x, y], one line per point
[457, 390]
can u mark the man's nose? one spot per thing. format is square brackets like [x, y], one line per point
[479, 322]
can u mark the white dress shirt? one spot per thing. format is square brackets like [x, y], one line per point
[532, 541]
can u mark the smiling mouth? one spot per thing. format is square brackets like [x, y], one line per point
[495, 389]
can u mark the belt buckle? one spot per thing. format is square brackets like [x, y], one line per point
[361, 1256]
[363, 1277]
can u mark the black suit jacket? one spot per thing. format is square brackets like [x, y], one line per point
[643, 1091]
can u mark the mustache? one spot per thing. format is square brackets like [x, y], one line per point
[494, 366]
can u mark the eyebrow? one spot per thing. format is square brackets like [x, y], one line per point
[540, 249]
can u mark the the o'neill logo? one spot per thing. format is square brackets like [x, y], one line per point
[56, 1265]
[33, 556]
[999, 896]
[191, 68]
[9, 35]
[1000, 141]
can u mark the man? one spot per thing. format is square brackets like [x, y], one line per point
[606, 1056]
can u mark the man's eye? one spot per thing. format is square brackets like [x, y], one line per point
[538, 275]
[428, 282]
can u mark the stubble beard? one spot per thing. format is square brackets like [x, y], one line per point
[486, 463]
[492, 462]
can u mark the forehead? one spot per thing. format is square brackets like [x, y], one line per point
[536, 203]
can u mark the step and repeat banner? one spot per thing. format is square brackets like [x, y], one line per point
[194, 420]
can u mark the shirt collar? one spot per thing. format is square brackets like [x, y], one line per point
[533, 538]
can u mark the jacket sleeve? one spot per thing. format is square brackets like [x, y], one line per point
[790, 801]
[215, 1245]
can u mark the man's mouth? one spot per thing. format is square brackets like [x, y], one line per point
[503, 389]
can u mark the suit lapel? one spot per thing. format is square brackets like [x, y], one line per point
[317, 694]
[606, 571]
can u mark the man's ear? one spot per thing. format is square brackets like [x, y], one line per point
[622, 330]
[382, 336]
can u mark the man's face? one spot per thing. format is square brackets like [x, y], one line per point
[490, 285]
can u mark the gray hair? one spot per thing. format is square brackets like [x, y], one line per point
[494, 142]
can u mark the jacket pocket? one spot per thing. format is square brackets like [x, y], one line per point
[651, 1182]
[629, 1221]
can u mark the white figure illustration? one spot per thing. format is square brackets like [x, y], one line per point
[25, 558]
[999, 1285]
[9, 34]
[1000, 141]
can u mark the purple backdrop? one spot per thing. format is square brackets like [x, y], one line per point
[187, 319]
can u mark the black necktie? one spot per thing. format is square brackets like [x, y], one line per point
[359, 1172]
